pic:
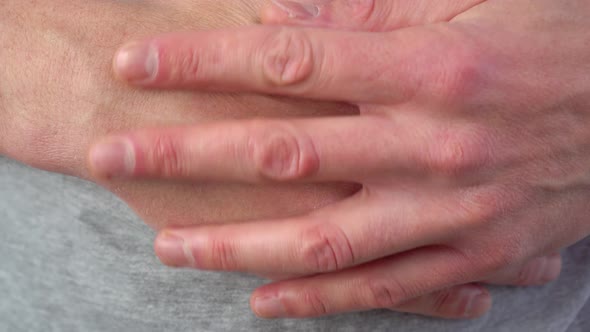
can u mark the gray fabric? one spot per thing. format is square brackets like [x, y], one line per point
[74, 258]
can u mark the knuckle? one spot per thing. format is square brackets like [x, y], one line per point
[165, 157]
[288, 58]
[311, 303]
[443, 301]
[223, 255]
[489, 207]
[325, 248]
[460, 151]
[497, 250]
[364, 12]
[461, 74]
[385, 294]
[507, 254]
[483, 205]
[185, 66]
[281, 153]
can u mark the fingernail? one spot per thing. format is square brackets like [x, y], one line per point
[474, 301]
[172, 250]
[297, 9]
[269, 307]
[113, 158]
[136, 62]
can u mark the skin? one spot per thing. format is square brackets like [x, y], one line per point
[470, 146]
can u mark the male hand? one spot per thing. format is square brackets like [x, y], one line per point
[470, 147]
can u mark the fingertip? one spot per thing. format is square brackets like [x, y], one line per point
[171, 250]
[266, 305]
[112, 157]
[136, 63]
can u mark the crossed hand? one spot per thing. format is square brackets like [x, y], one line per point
[471, 146]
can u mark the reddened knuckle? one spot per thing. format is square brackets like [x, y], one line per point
[276, 156]
[462, 73]
[282, 153]
[325, 248]
[165, 157]
[385, 294]
[287, 58]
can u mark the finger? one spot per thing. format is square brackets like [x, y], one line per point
[365, 15]
[537, 272]
[387, 284]
[310, 150]
[361, 229]
[313, 63]
[251, 151]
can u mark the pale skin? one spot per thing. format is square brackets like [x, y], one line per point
[470, 147]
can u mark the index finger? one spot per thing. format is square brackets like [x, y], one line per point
[312, 63]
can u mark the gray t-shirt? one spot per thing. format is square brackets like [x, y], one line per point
[75, 258]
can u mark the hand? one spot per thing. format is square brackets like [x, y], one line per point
[470, 146]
